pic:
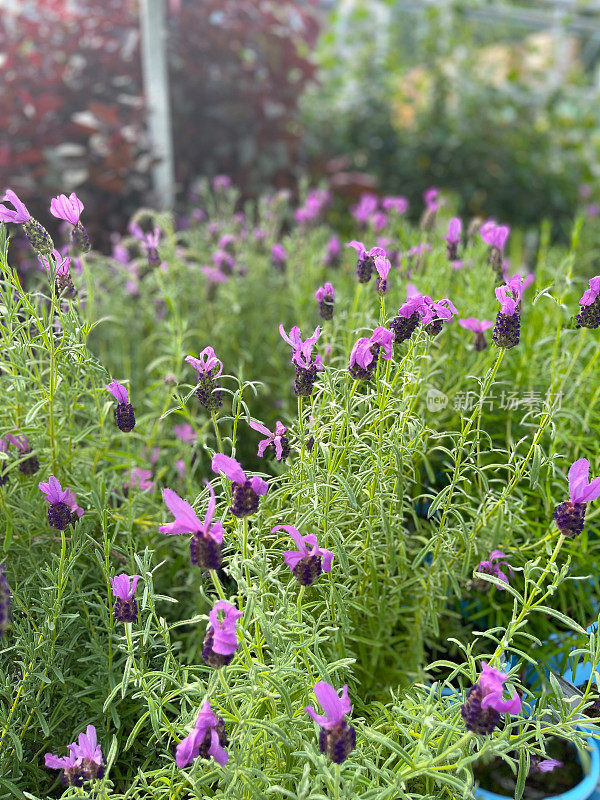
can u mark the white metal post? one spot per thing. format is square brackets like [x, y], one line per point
[156, 87]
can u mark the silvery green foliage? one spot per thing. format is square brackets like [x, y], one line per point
[407, 490]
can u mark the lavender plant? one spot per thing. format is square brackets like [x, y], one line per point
[417, 484]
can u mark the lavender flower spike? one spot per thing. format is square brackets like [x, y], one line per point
[484, 703]
[507, 330]
[209, 368]
[409, 314]
[69, 209]
[453, 238]
[325, 296]
[570, 515]
[495, 236]
[88, 753]
[306, 367]
[38, 236]
[220, 642]
[207, 739]
[479, 327]
[207, 537]
[435, 314]
[72, 774]
[306, 566]
[63, 504]
[491, 566]
[276, 442]
[366, 260]
[124, 414]
[383, 266]
[29, 465]
[245, 492]
[123, 587]
[366, 351]
[589, 316]
[337, 739]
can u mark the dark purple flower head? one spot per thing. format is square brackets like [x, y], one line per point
[398, 204]
[276, 440]
[72, 774]
[337, 739]
[589, 315]
[485, 702]
[67, 208]
[19, 215]
[363, 252]
[366, 351]
[207, 739]
[383, 266]
[491, 566]
[63, 504]
[118, 391]
[494, 235]
[590, 295]
[431, 198]
[306, 565]
[223, 261]
[246, 491]
[206, 362]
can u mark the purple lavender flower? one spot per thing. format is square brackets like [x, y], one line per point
[325, 296]
[220, 642]
[29, 465]
[546, 765]
[383, 266]
[63, 282]
[221, 183]
[5, 601]
[365, 208]
[306, 368]
[123, 587]
[366, 351]
[185, 432]
[570, 515]
[69, 209]
[124, 414]
[397, 204]
[507, 330]
[38, 236]
[337, 739]
[478, 326]
[279, 256]
[223, 261]
[3, 471]
[207, 739]
[495, 236]
[409, 315]
[589, 316]
[245, 492]
[333, 252]
[276, 442]
[432, 204]
[150, 240]
[484, 703]
[436, 314]
[366, 260]
[453, 238]
[140, 479]
[84, 762]
[491, 566]
[306, 565]
[209, 369]
[63, 506]
[207, 537]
